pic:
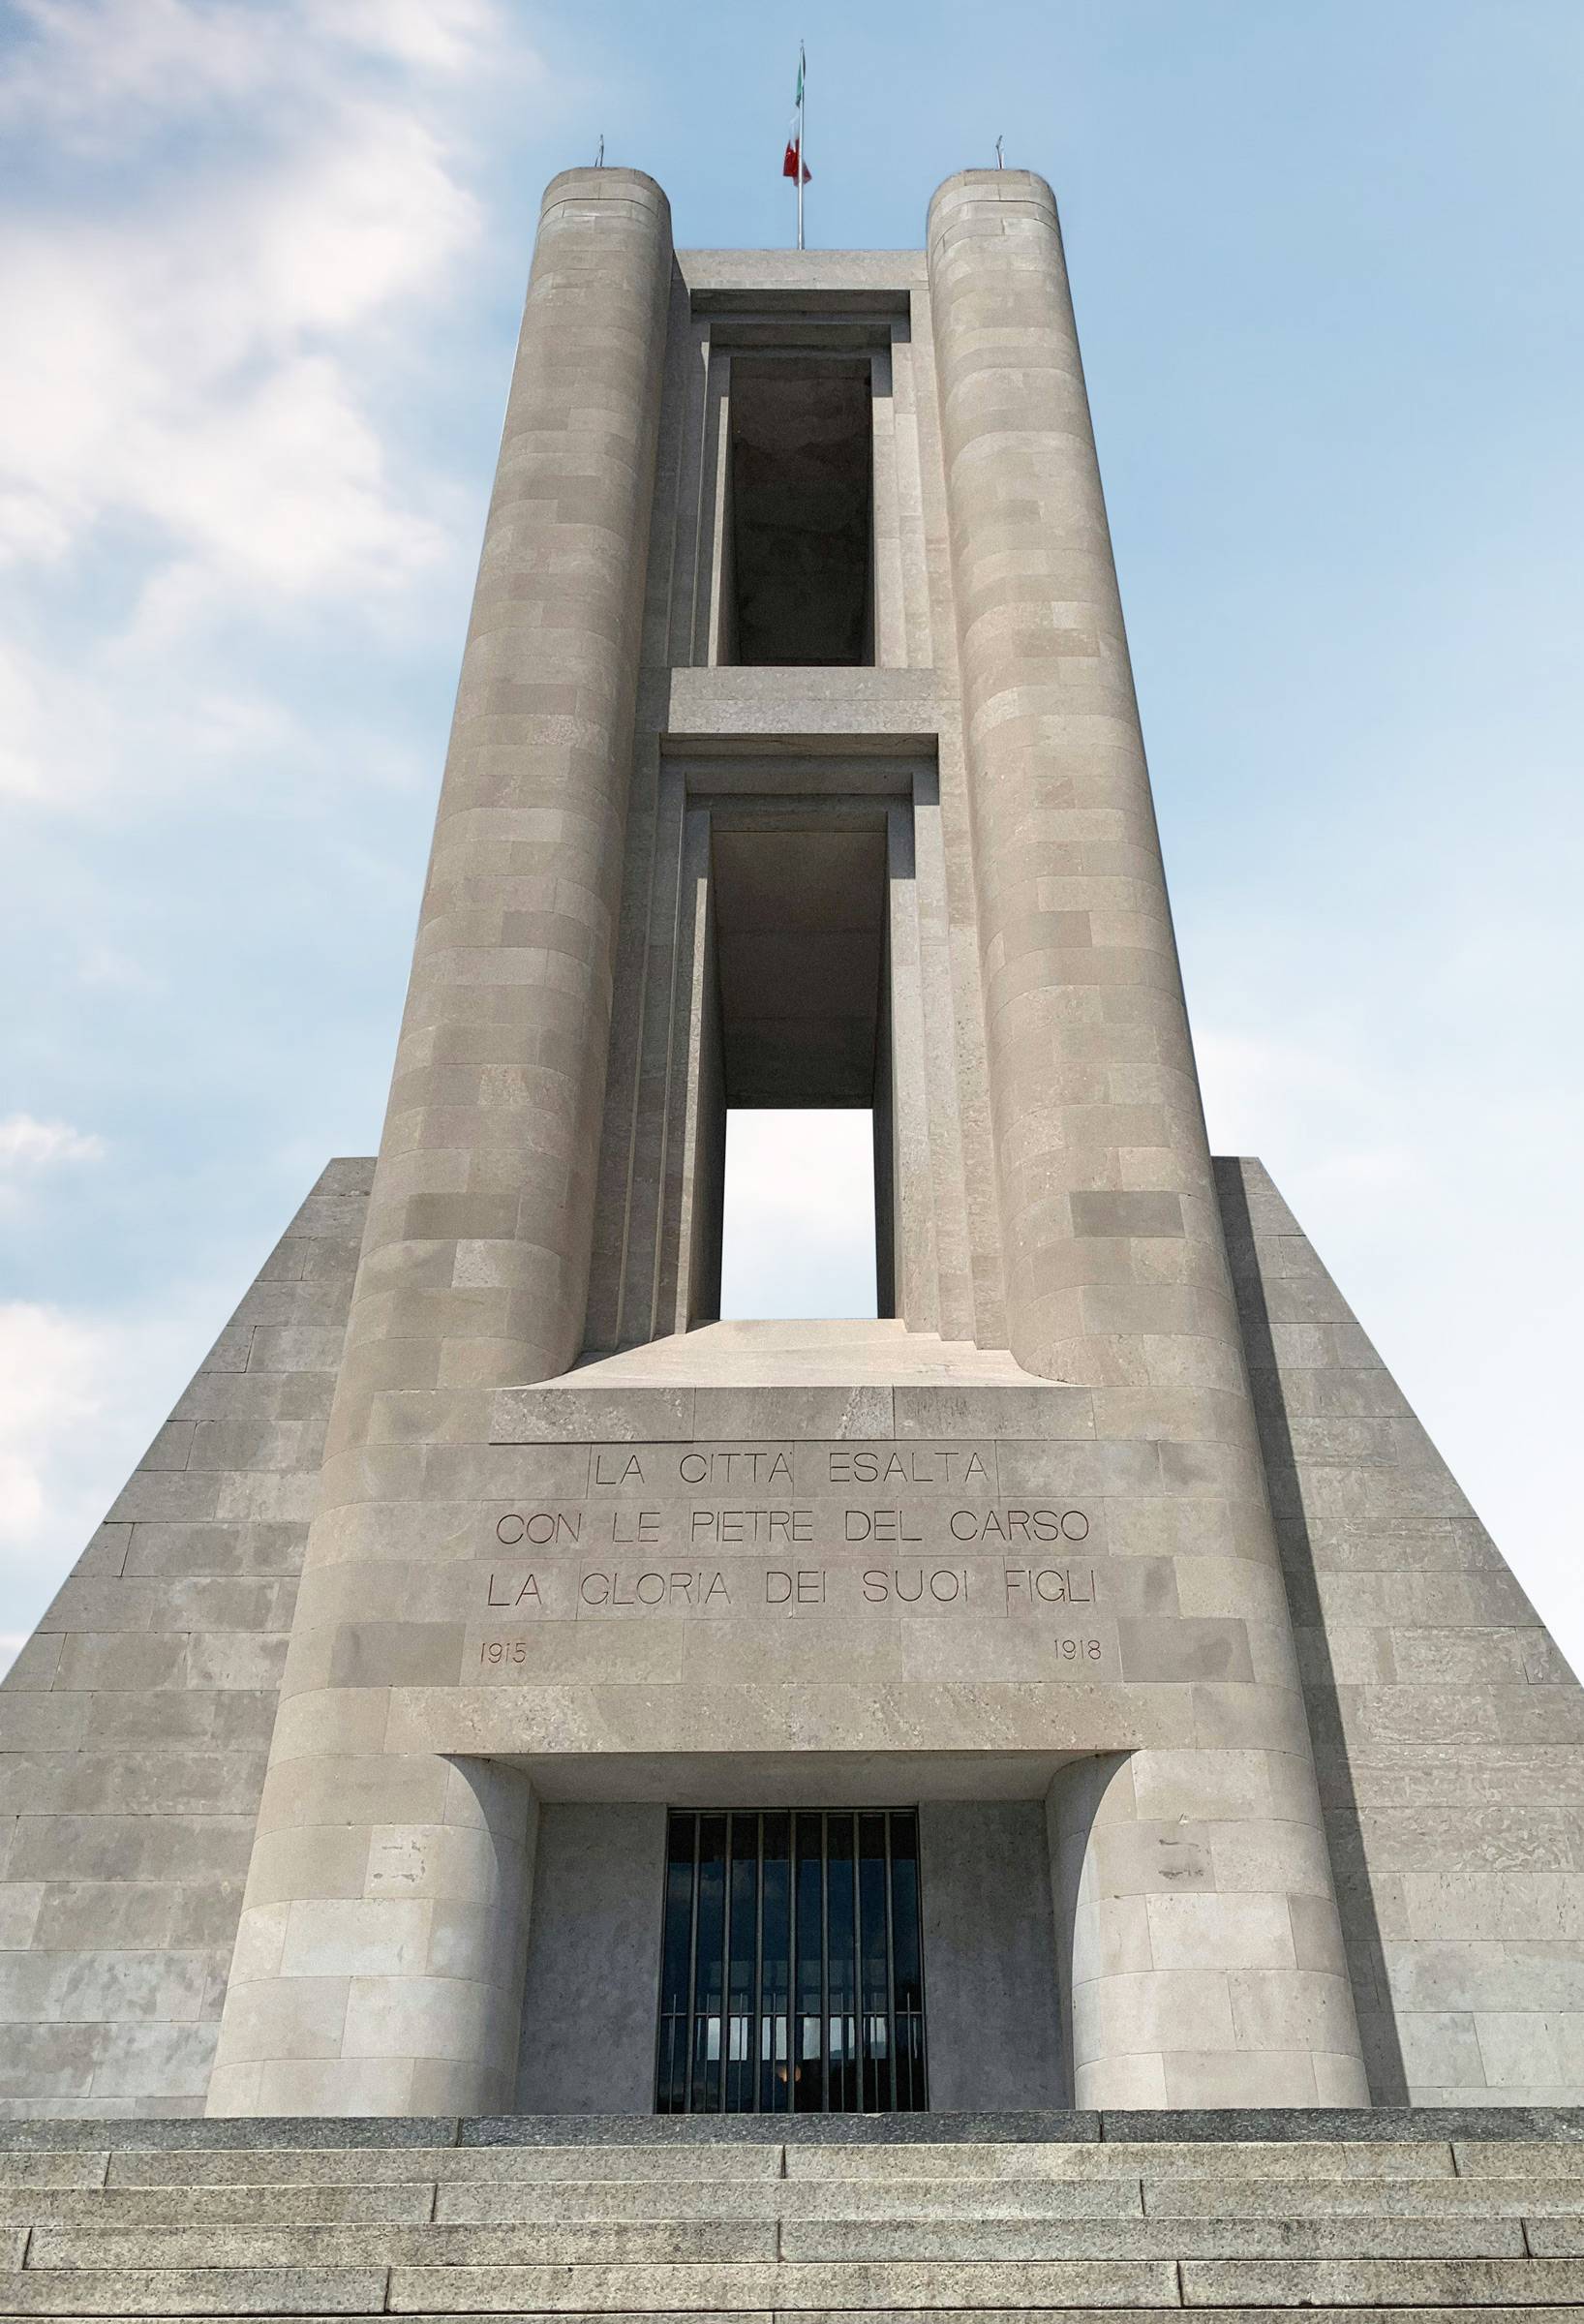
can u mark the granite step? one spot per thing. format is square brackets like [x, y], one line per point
[238, 2280]
[1187, 2198]
[1017, 2229]
[1023, 2163]
[845, 1352]
[938, 2205]
[677, 2244]
[1373, 2282]
[1372, 2314]
[350, 2166]
[844, 2242]
[492, 2203]
[1006, 2286]
[111, 2206]
[1293, 2159]
[195, 2292]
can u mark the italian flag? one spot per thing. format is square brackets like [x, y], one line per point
[794, 165]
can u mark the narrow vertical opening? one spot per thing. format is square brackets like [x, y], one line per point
[798, 566]
[800, 939]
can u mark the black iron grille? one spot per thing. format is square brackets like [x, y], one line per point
[792, 1970]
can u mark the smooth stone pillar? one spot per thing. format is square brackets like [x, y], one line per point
[1116, 1271]
[1204, 1958]
[475, 1261]
[380, 1957]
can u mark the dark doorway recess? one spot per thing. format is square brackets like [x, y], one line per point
[800, 937]
[801, 501]
[792, 1976]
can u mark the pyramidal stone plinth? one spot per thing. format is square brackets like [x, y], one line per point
[505, 1689]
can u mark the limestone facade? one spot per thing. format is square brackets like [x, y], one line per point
[1109, 1549]
[135, 1723]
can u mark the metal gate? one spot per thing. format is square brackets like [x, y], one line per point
[792, 1970]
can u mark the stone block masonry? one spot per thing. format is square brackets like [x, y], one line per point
[135, 1725]
[1448, 1731]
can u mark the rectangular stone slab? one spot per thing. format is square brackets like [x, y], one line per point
[199, 2292]
[1381, 2283]
[681, 2243]
[1055, 2284]
[112, 2207]
[490, 2165]
[797, 2199]
[1357, 2237]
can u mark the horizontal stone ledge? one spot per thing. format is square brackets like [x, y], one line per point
[303, 2202]
[528, 2172]
[1373, 2122]
[561, 1411]
[1036, 2126]
[1295, 2164]
[562, 1416]
[733, 282]
[1376, 2283]
[521, 2199]
[742, 707]
[163, 2292]
[1545, 2126]
[1233, 2125]
[220, 2132]
[544, 2243]
[1175, 2195]
[851, 2287]
[1299, 2237]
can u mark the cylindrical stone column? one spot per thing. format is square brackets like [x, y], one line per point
[475, 1259]
[1203, 1975]
[378, 1962]
[1109, 1220]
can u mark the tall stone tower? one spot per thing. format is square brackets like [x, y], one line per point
[1083, 1683]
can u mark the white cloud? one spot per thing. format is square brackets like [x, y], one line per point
[54, 1373]
[89, 60]
[26, 1143]
[81, 1394]
[30, 1149]
[108, 68]
[133, 718]
[204, 316]
[22, 763]
[188, 379]
[187, 368]
[433, 36]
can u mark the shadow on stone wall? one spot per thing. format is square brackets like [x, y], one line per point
[1355, 1897]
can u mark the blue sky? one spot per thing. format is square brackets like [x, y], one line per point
[260, 263]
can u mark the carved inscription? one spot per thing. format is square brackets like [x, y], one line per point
[797, 1532]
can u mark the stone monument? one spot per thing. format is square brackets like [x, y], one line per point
[507, 1688]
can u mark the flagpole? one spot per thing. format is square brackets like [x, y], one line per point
[803, 68]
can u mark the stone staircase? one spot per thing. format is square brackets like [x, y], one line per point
[1252, 2215]
[848, 1351]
